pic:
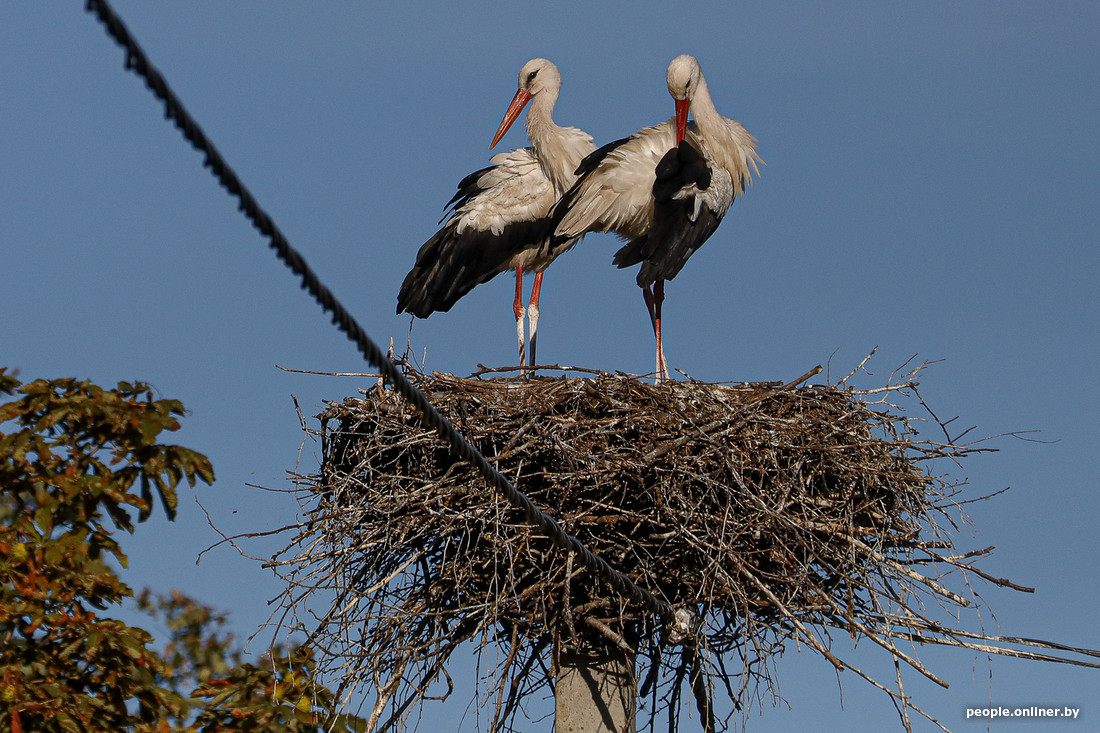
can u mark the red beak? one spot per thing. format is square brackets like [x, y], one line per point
[682, 106]
[518, 102]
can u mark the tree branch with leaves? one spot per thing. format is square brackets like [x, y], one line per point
[81, 465]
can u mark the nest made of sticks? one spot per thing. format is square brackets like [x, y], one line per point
[778, 511]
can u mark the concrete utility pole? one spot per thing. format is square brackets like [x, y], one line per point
[595, 691]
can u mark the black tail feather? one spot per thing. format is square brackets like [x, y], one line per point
[449, 265]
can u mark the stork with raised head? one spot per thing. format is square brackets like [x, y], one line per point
[500, 217]
[664, 189]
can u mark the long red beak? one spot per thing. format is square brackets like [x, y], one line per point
[518, 102]
[682, 106]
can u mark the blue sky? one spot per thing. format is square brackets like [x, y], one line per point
[930, 189]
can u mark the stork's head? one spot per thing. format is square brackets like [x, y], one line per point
[537, 75]
[683, 77]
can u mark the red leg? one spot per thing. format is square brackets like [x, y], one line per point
[658, 298]
[518, 309]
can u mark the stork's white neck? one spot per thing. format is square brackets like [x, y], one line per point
[559, 149]
[727, 141]
[706, 116]
[540, 117]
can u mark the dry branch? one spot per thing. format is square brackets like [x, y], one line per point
[780, 512]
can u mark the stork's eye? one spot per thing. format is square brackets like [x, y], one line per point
[531, 76]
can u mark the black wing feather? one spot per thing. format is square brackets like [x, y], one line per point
[591, 161]
[449, 265]
[674, 236]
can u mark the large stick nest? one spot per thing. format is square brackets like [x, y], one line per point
[777, 511]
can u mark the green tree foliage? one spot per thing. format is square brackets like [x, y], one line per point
[79, 464]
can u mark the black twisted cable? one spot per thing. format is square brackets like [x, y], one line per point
[174, 110]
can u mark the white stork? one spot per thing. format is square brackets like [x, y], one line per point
[664, 189]
[499, 219]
